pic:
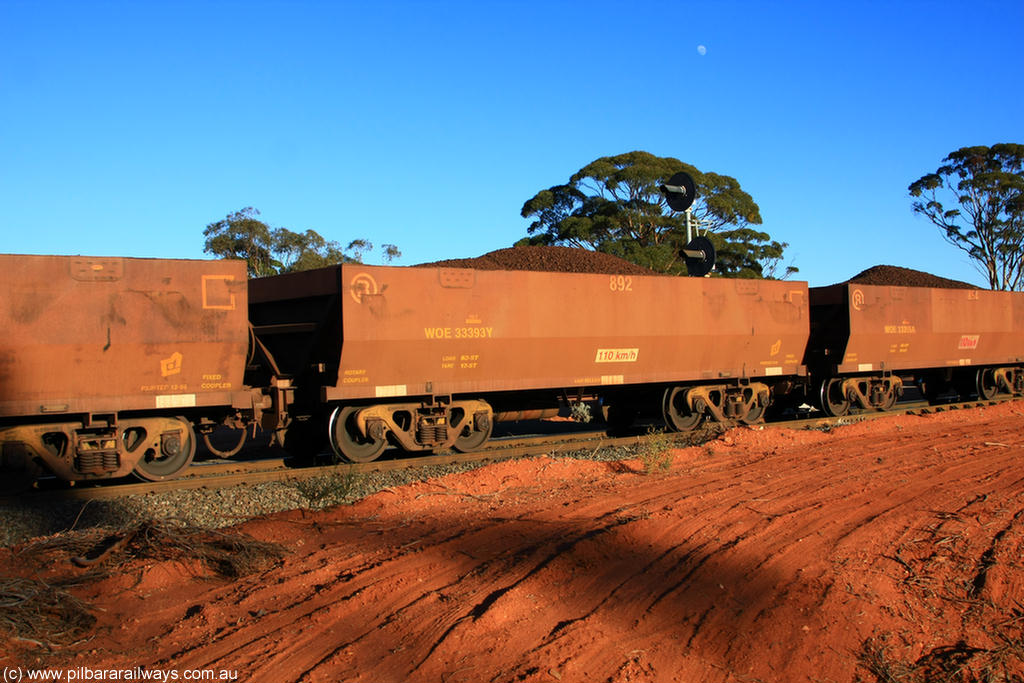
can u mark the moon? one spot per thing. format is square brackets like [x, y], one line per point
[702, 50]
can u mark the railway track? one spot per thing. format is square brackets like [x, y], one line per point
[221, 474]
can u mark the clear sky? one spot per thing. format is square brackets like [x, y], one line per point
[127, 127]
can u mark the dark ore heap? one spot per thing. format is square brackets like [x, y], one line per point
[905, 277]
[553, 259]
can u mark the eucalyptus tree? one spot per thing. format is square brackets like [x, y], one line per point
[269, 251]
[615, 205]
[976, 198]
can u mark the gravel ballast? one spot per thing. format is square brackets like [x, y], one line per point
[40, 514]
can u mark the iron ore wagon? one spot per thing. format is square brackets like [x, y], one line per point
[106, 363]
[430, 358]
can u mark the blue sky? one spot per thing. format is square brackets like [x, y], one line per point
[127, 127]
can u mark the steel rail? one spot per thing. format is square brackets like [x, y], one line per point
[226, 474]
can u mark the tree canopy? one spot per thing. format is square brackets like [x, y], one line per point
[615, 205]
[983, 188]
[269, 251]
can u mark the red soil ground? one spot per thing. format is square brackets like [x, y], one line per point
[888, 550]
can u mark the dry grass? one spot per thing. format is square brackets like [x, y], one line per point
[874, 656]
[946, 570]
[328, 489]
[46, 614]
[40, 613]
[956, 663]
[229, 555]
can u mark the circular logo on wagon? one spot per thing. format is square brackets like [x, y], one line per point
[858, 299]
[362, 285]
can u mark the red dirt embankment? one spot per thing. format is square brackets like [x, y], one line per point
[888, 550]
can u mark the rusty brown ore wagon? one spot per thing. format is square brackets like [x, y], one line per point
[867, 341]
[106, 363]
[429, 358]
[113, 365]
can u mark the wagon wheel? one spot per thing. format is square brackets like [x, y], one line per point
[346, 440]
[469, 438]
[174, 454]
[890, 399]
[833, 401]
[987, 385]
[677, 413]
[754, 415]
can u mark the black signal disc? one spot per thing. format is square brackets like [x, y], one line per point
[680, 200]
[699, 266]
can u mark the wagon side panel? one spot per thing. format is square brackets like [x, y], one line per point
[95, 335]
[415, 331]
[907, 328]
[978, 327]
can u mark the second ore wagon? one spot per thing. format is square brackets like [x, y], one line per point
[430, 358]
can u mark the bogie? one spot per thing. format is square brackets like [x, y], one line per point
[362, 433]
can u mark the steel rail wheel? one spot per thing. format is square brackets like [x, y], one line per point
[754, 415]
[677, 413]
[470, 439]
[987, 385]
[174, 454]
[890, 399]
[833, 401]
[346, 440]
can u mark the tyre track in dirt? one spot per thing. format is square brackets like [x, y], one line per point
[764, 555]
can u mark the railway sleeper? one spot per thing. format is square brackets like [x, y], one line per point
[360, 434]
